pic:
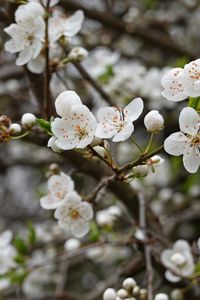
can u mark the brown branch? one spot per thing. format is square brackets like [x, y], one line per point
[93, 82]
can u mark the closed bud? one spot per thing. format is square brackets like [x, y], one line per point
[143, 294]
[122, 293]
[140, 171]
[136, 291]
[177, 294]
[15, 129]
[78, 54]
[154, 121]
[28, 121]
[109, 294]
[129, 283]
[178, 259]
[161, 296]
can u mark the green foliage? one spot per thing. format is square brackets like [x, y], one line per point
[180, 62]
[31, 234]
[94, 232]
[17, 277]
[195, 103]
[20, 245]
[105, 77]
[45, 125]
[149, 4]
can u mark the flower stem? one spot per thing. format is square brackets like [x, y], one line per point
[136, 144]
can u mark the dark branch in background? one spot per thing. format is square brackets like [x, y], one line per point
[47, 75]
[111, 21]
[93, 82]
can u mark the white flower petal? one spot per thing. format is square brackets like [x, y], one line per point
[191, 159]
[36, 65]
[124, 134]
[65, 101]
[86, 211]
[80, 229]
[73, 24]
[189, 121]
[24, 56]
[134, 109]
[172, 277]
[175, 143]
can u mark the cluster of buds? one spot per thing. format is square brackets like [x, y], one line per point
[129, 291]
[9, 129]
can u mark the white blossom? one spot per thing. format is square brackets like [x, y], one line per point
[27, 34]
[116, 123]
[108, 216]
[15, 128]
[74, 214]
[77, 126]
[140, 171]
[191, 78]
[154, 121]
[7, 252]
[78, 54]
[178, 260]
[129, 283]
[72, 244]
[52, 145]
[59, 186]
[187, 141]
[172, 82]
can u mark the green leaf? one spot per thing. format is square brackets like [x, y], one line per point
[17, 277]
[195, 103]
[45, 125]
[197, 267]
[104, 78]
[31, 234]
[20, 245]
[180, 62]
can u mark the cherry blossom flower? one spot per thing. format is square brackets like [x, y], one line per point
[73, 215]
[191, 78]
[7, 252]
[27, 34]
[154, 121]
[116, 123]
[178, 260]
[77, 126]
[187, 141]
[174, 88]
[58, 187]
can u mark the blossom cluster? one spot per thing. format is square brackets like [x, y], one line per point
[71, 212]
[28, 34]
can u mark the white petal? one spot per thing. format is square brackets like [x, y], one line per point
[86, 211]
[50, 202]
[36, 65]
[65, 101]
[189, 121]
[172, 277]
[181, 245]
[191, 159]
[124, 134]
[175, 143]
[73, 24]
[80, 229]
[134, 109]
[5, 238]
[24, 56]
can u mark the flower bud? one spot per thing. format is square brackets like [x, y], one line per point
[72, 244]
[177, 294]
[129, 283]
[140, 171]
[15, 129]
[154, 121]
[122, 293]
[161, 296]
[136, 290]
[78, 54]
[109, 294]
[178, 259]
[28, 121]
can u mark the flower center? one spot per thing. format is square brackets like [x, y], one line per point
[81, 132]
[178, 259]
[196, 140]
[74, 214]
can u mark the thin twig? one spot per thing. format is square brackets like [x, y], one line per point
[147, 247]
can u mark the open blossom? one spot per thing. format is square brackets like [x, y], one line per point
[27, 34]
[77, 126]
[7, 252]
[187, 141]
[174, 88]
[74, 214]
[178, 260]
[191, 78]
[58, 187]
[117, 123]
